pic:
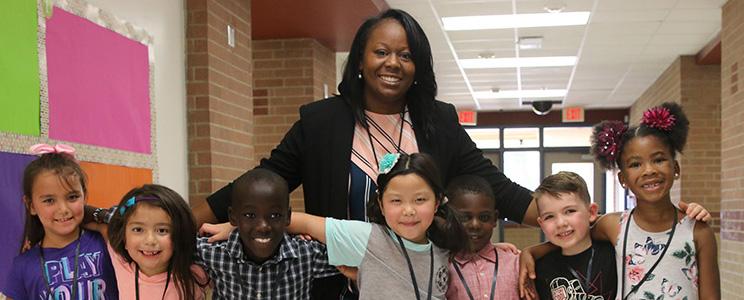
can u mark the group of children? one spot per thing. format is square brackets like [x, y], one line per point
[424, 240]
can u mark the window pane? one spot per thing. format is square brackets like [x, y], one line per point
[566, 136]
[585, 170]
[485, 138]
[521, 137]
[523, 167]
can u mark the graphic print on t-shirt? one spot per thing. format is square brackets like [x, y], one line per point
[61, 273]
[561, 288]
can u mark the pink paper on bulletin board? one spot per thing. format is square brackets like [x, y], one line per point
[98, 85]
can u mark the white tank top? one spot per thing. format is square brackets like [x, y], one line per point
[676, 275]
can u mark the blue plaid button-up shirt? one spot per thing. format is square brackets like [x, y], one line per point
[287, 275]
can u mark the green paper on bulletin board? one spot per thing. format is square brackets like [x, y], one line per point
[19, 68]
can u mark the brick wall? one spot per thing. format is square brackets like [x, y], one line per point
[700, 176]
[218, 88]
[732, 150]
[287, 74]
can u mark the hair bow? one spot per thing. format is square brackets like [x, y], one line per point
[388, 162]
[40, 149]
[132, 201]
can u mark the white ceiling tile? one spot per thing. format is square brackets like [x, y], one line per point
[624, 5]
[651, 15]
[695, 15]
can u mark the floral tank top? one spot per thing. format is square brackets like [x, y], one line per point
[676, 275]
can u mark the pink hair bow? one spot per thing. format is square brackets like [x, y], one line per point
[40, 149]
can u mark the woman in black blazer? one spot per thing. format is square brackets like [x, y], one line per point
[388, 72]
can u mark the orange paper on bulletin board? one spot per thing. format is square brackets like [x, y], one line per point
[107, 183]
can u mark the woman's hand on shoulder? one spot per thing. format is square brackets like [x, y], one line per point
[216, 232]
[695, 211]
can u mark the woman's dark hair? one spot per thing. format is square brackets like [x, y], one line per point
[69, 172]
[420, 96]
[671, 130]
[446, 231]
[183, 231]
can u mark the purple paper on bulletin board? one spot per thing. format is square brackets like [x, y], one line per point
[98, 85]
[11, 206]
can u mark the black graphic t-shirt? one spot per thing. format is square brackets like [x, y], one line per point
[562, 277]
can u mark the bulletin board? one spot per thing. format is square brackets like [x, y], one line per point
[74, 74]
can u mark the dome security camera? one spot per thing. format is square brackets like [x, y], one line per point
[541, 108]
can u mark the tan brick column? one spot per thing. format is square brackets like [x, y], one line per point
[219, 86]
[287, 74]
[732, 150]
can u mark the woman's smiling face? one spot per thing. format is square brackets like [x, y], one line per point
[387, 67]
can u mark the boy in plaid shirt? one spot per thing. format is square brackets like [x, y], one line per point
[259, 260]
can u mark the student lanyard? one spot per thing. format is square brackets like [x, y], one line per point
[410, 268]
[493, 280]
[136, 280]
[625, 245]
[74, 274]
[588, 274]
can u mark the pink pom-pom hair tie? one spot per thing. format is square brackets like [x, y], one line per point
[660, 118]
[609, 139]
[40, 149]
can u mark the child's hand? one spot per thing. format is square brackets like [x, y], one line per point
[349, 272]
[216, 232]
[526, 276]
[305, 237]
[507, 247]
[695, 211]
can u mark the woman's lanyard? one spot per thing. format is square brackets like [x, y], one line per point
[372, 143]
[136, 280]
[493, 280]
[625, 245]
[588, 274]
[74, 274]
[410, 268]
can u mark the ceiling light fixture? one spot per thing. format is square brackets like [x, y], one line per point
[515, 21]
[554, 6]
[513, 62]
[516, 94]
[530, 42]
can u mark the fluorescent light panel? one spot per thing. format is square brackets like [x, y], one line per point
[515, 21]
[516, 94]
[513, 62]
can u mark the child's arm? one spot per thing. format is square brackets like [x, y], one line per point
[216, 232]
[607, 228]
[302, 223]
[709, 281]
[527, 267]
[92, 220]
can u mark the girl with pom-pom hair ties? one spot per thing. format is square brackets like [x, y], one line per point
[661, 253]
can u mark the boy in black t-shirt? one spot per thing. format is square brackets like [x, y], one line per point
[581, 269]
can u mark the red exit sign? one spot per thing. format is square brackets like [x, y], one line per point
[573, 114]
[468, 117]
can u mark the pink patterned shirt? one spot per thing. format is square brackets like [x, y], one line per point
[478, 273]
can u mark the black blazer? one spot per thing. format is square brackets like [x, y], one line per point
[316, 152]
